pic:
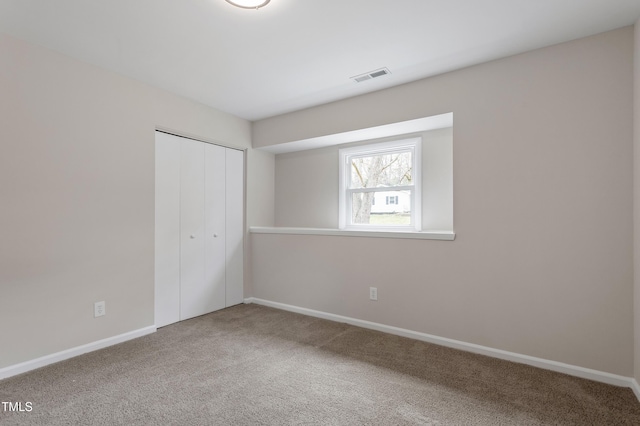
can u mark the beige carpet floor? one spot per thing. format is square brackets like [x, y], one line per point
[252, 365]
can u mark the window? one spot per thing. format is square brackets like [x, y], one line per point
[391, 200]
[380, 186]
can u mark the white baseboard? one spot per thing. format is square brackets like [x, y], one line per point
[23, 367]
[573, 370]
[635, 388]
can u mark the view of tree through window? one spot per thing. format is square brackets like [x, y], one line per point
[390, 175]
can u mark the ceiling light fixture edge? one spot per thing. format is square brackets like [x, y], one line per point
[248, 4]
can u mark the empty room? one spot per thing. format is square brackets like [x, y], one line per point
[345, 212]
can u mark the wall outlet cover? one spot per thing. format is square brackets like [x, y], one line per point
[99, 309]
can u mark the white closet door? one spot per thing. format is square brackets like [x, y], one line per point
[199, 228]
[215, 167]
[167, 230]
[193, 291]
[234, 207]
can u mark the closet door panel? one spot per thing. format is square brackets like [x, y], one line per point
[192, 229]
[234, 207]
[214, 227]
[167, 230]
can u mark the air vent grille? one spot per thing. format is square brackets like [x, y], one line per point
[371, 75]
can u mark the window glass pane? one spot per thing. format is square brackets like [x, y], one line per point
[372, 208]
[392, 169]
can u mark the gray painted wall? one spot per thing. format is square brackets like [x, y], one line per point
[77, 173]
[543, 210]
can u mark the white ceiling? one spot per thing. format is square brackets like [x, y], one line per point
[294, 54]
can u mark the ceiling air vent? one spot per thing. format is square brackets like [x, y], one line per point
[370, 75]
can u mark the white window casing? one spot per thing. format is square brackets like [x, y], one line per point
[346, 189]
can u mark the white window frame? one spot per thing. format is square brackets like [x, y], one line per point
[414, 145]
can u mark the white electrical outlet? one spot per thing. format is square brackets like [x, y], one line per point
[99, 309]
[373, 293]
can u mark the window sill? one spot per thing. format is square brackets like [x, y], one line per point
[424, 235]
